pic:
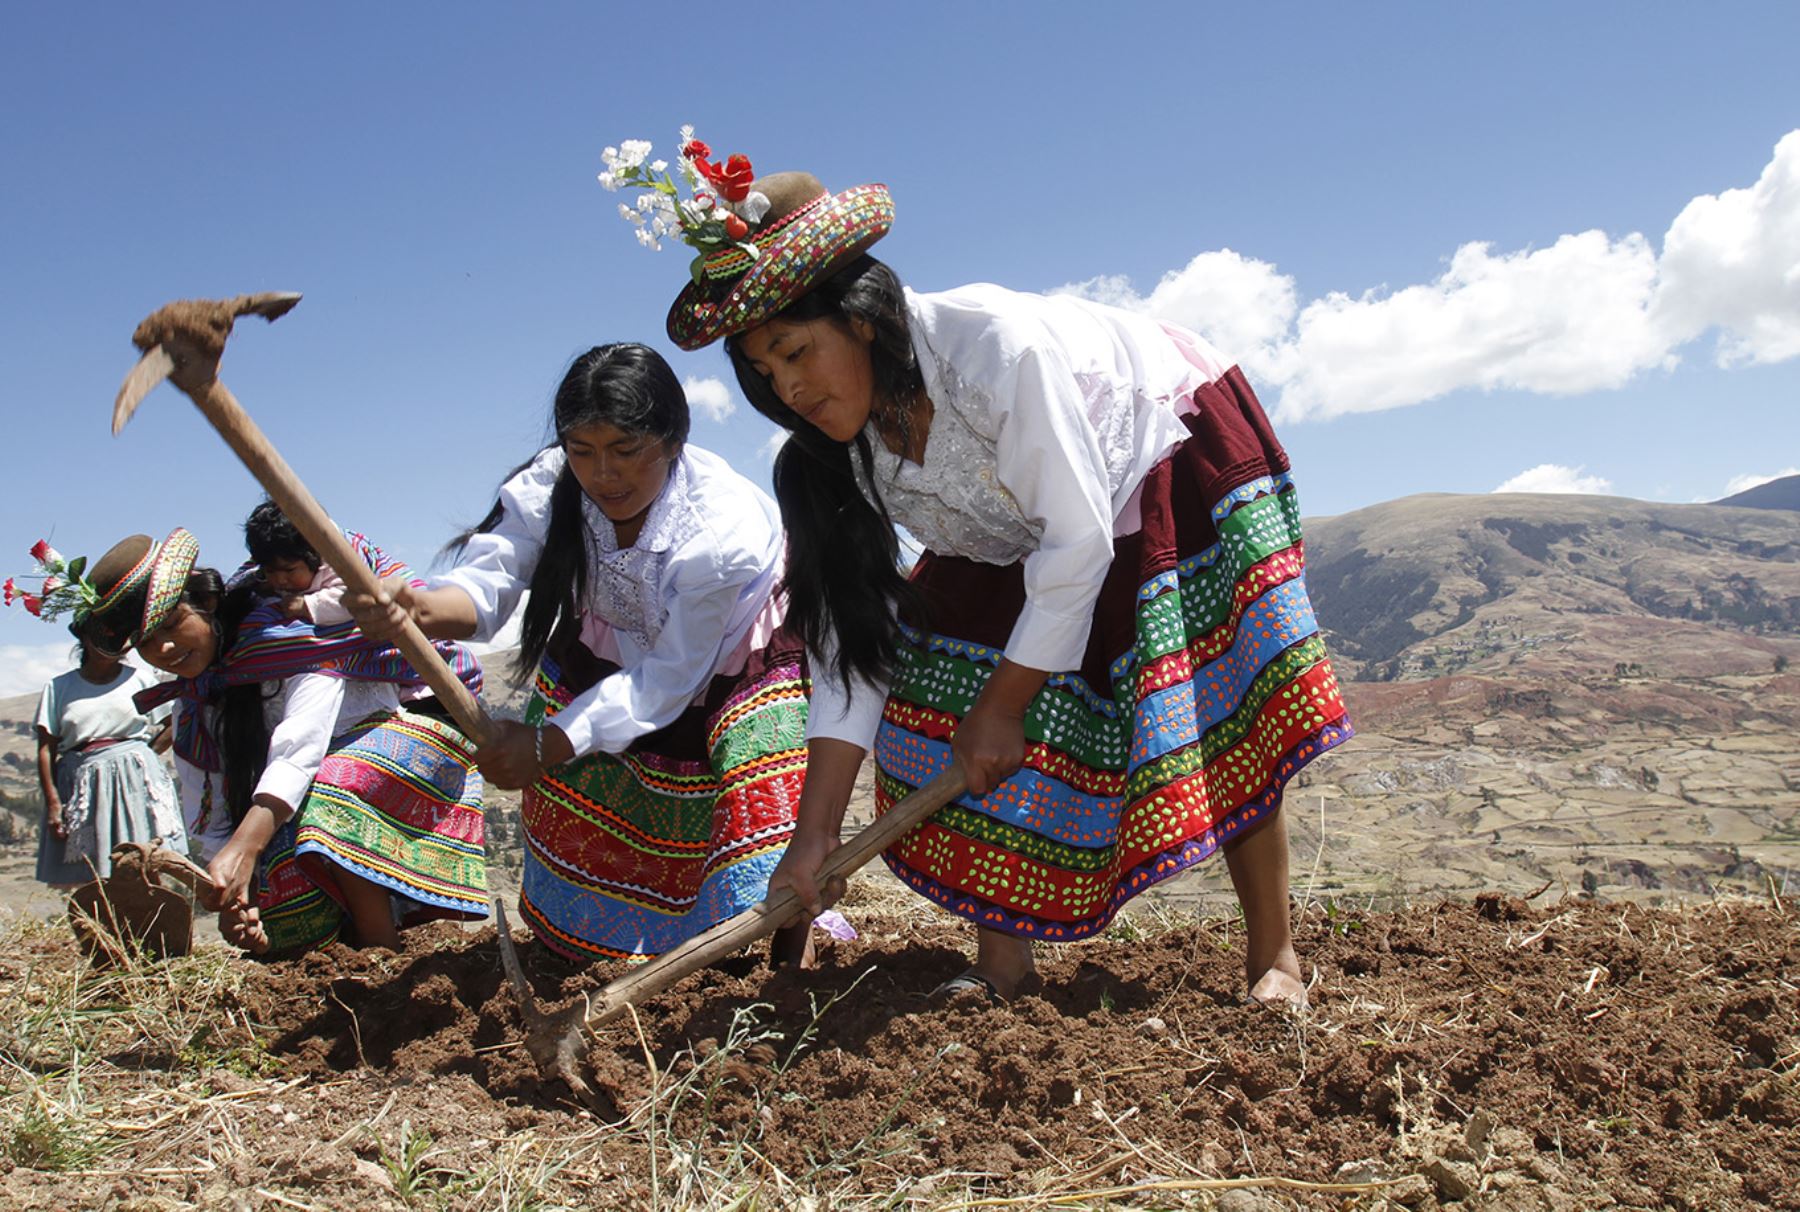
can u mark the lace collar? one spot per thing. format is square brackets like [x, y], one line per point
[625, 584]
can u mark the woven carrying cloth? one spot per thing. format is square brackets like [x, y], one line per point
[630, 854]
[1204, 688]
[398, 802]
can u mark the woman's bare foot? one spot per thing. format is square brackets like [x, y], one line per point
[1280, 989]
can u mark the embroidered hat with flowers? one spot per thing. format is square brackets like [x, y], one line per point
[139, 562]
[760, 242]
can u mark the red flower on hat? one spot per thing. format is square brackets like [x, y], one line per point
[51, 585]
[696, 150]
[34, 605]
[12, 591]
[43, 553]
[732, 179]
[736, 228]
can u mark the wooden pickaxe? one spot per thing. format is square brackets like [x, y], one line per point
[183, 343]
[132, 904]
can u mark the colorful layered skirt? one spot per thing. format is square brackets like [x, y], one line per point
[1205, 687]
[397, 802]
[630, 854]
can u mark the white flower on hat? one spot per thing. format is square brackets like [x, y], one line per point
[708, 220]
[754, 206]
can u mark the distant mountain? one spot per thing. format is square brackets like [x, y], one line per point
[1776, 494]
[1429, 585]
[1585, 693]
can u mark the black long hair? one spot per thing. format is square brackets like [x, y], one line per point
[843, 566]
[243, 733]
[269, 536]
[625, 385]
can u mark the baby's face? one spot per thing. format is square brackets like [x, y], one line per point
[287, 576]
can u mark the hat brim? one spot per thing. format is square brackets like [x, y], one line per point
[170, 565]
[809, 251]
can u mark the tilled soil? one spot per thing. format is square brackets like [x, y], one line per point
[1584, 1055]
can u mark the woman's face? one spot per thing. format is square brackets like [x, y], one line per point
[184, 645]
[622, 472]
[821, 369]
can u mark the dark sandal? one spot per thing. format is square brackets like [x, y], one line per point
[967, 981]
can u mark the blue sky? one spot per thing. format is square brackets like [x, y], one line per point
[425, 174]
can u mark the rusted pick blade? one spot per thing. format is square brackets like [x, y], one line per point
[557, 1041]
[152, 368]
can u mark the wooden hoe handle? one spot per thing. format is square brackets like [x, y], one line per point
[773, 911]
[310, 519]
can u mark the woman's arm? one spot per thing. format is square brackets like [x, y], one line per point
[447, 613]
[1049, 458]
[990, 739]
[297, 747]
[831, 769]
[46, 764]
[165, 736]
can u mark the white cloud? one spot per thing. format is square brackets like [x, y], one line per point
[1586, 313]
[709, 397]
[1749, 480]
[1731, 261]
[772, 446]
[1554, 477]
[24, 668]
[1242, 305]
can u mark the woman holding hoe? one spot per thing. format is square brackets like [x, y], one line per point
[1109, 627]
[662, 752]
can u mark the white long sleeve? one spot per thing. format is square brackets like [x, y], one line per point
[707, 562]
[1050, 460]
[298, 743]
[495, 568]
[842, 713]
[653, 690]
[310, 710]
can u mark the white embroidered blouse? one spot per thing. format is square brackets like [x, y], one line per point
[1048, 412]
[683, 603]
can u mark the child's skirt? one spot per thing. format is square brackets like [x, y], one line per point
[630, 854]
[397, 801]
[111, 792]
[1204, 688]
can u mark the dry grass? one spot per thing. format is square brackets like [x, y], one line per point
[153, 1080]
